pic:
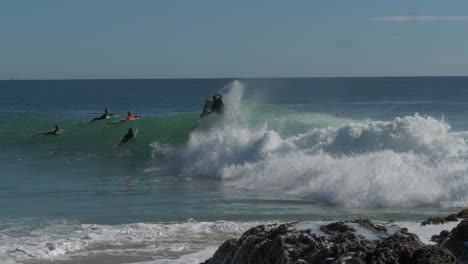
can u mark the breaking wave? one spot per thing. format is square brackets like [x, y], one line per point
[409, 161]
[406, 162]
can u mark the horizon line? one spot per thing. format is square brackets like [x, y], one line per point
[220, 78]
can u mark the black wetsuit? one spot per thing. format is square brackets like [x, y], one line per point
[130, 134]
[104, 116]
[54, 132]
[218, 105]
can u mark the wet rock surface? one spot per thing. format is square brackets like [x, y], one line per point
[284, 244]
[463, 214]
[367, 223]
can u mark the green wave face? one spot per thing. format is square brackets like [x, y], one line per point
[82, 137]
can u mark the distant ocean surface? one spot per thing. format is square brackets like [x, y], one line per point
[286, 149]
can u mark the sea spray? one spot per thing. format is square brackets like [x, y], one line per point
[410, 161]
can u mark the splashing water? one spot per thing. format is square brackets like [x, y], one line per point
[410, 161]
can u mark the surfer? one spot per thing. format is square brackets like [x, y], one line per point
[55, 132]
[104, 116]
[129, 117]
[218, 104]
[130, 134]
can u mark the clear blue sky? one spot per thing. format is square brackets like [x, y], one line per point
[56, 39]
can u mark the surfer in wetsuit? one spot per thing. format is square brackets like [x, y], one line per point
[129, 117]
[104, 116]
[214, 105]
[55, 132]
[218, 104]
[130, 134]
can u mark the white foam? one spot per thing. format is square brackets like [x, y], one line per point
[410, 161]
[181, 243]
[426, 232]
[192, 258]
[63, 240]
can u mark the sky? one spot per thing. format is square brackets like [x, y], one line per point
[94, 39]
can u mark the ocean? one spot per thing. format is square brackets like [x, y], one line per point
[286, 149]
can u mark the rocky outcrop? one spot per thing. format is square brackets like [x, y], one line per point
[444, 234]
[284, 244]
[367, 223]
[463, 214]
[457, 240]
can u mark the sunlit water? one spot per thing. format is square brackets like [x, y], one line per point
[397, 151]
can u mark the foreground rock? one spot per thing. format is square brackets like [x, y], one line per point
[284, 244]
[455, 240]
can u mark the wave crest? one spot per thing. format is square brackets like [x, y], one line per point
[410, 161]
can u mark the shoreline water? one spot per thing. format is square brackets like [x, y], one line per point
[190, 242]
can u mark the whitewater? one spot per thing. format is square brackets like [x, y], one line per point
[185, 184]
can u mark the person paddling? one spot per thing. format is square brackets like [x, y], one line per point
[131, 133]
[55, 132]
[129, 117]
[104, 116]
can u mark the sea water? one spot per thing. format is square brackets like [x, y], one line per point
[312, 149]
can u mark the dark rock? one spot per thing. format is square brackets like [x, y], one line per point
[339, 227]
[283, 244]
[403, 247]
[434, 221]
[449, 218]
[444, 234]
[463, 213]
[434, 255]
[456, 241]
[367, 223]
